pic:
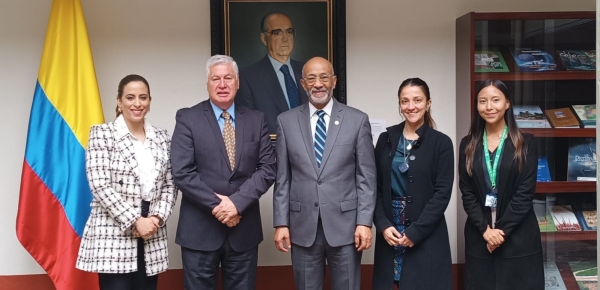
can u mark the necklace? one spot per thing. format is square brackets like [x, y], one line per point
[495, 137]
[404, 165]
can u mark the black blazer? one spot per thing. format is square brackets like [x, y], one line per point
[427, 265]
[514, 214]
[201, 168]
[260, 90]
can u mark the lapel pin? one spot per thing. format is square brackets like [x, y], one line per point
[336, 122]
[412, 157]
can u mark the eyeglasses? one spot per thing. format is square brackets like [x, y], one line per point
[324, 79]
[279, 33]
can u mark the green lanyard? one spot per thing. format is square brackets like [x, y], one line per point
[493, 170]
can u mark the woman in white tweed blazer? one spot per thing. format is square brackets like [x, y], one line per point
[129, 171]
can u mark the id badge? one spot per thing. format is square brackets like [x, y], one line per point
[490, 200]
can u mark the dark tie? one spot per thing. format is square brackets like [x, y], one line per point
[290, 87]
[229, 138]
[320, 137]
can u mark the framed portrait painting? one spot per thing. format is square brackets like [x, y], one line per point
[319, 29]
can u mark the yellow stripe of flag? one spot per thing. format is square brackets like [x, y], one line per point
[67, 73]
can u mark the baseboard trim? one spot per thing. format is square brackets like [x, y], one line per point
[267, 278]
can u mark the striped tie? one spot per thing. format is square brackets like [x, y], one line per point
[320, 136]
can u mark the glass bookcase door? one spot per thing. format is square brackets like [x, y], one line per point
[548, 66]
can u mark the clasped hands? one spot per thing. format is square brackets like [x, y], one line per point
[226, 212]
[362, 238]
[146, 227]
[395, 238]
[494, 238]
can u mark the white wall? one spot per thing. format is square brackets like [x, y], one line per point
[168, 43]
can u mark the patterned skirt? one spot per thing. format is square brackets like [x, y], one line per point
[398, 205]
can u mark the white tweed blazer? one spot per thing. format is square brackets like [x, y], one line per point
[108, 245]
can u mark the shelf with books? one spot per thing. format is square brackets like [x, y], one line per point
[549, 187]
[569, 236]
[537, 76]
[561, 132]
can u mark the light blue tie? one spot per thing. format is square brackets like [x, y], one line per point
[320, 136]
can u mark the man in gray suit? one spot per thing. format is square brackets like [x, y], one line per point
[324, 194]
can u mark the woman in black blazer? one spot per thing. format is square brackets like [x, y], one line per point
[497, 177]
[415, 173]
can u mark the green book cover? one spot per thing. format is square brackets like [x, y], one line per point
[489, 60]
[586, 274]
[586, 115]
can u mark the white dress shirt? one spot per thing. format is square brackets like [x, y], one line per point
[143, 155]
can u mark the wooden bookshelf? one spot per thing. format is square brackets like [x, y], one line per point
[561, 132]
[565, 187]
[569, 236]
[538, 76]
[547, 32]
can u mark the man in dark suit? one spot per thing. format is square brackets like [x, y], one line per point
[223, 162]
[325, 192]
[272, 85]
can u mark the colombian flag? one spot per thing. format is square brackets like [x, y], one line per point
[54, 202]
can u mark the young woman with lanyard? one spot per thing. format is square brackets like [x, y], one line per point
[497, 177]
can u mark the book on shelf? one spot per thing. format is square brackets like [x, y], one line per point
[564, 218]
[532, 60]
[582, 160]
[585, 273]
[530, 117]
[489, 60]
[562, 118]
[544, 218]
[578, 59]
[586, 115]
[586, 215]
[543, 172]
[553, 279]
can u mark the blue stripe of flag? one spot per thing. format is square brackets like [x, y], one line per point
[57, 157]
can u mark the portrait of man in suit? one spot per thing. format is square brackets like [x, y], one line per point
[272, 85]
[325, 190]
[274, 40]
[223, 162]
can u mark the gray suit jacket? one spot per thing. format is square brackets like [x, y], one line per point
[342, 191]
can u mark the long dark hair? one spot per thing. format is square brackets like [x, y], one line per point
[478, 125]
[417, 82]
[126, 80]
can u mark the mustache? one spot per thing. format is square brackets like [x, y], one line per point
[315, 90]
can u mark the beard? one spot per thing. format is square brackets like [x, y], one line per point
[319, 101]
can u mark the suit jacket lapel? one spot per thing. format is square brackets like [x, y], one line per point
[124, 144]
[305, 130]
[157, 152]
[479, 172]
[214, 125]
[508, 153]
[335, 122]
[394, 133]
[126, 148]
[239, 135]
[271, 82]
